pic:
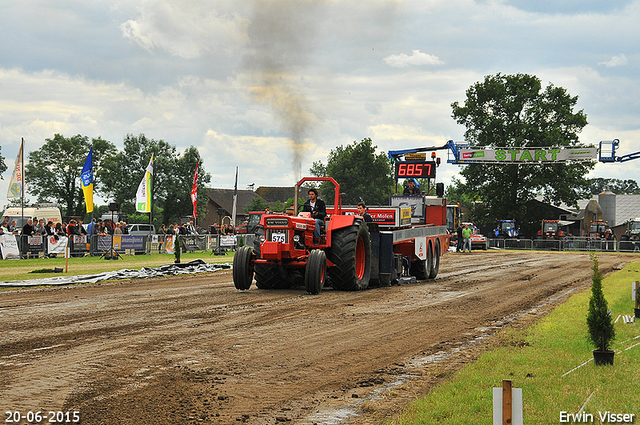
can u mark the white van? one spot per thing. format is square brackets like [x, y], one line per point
[34, 213]
[141, 229]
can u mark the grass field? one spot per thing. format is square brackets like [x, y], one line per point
[24, 269]
[552, 363]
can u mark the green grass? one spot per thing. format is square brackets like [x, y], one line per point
[535, 359]
[23, 269]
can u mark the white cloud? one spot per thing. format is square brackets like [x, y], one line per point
[619, 60]
[186, 29]
[417, 58]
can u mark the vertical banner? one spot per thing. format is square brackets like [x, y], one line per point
[87, 181]
[16, 183]
[194, 192]
[143, 196]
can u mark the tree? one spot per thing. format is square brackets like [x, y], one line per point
[513, 111]
[3, 165]
[617, 186]
[361, 173]
[599, 321]
[53, 171]
[178, 189]
[257, 204]
[172, 177]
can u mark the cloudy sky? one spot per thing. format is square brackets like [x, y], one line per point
[272, 85]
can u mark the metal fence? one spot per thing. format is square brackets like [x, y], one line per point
[17, 246]
[566, 244]
[41, 246]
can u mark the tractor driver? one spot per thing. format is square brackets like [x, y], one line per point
[412, 189]
[318, 210]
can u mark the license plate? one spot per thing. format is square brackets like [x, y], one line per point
[278, 237]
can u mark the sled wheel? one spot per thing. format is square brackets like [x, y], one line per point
[242, 270]
[315, 271]
[422, 268]
[435, 264]
[351, 253]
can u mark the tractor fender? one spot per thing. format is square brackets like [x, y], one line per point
[340, 222]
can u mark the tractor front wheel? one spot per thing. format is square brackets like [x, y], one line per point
[242, 270]
[315, 271]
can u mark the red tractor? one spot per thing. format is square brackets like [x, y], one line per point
[349, 253]
[285, 245]
[550, 230]
[599, 230]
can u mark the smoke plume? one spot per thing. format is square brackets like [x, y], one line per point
[281, 36]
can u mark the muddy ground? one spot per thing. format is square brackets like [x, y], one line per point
[182, 350]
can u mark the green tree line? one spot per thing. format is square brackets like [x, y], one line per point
[503, 111]
[52, 174]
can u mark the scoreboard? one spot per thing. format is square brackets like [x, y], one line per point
[416, 169]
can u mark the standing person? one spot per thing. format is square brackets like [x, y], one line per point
[51, 229]
[81, 228]
[91, 226]
[362, 210]
[177, 248]
[28, 228]
[460, 244]
[318, 210]
[191, 229]
[41, 227]
[466, 234]
[59, 230]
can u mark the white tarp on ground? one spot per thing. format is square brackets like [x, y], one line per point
[195, 266]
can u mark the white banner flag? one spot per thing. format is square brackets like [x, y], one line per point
[143, 196]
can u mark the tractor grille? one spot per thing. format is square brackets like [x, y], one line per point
[277, 222]
[277, 235]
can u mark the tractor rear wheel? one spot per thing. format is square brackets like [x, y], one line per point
[242, 270]
[350, 253]
[435, 263]
[315, 271]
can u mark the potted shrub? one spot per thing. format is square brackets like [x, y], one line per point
[599, 320]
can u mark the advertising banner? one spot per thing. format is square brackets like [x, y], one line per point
[168, 244]
[132, 242]
[529, 155]
[57, 246]
[9, 246]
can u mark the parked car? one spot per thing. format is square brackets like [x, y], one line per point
[141, 229]
[478, 241]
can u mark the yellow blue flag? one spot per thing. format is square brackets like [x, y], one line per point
[87, 181]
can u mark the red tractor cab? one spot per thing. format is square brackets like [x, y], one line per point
[550, 230]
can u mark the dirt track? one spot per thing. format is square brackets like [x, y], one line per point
[195, 350]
